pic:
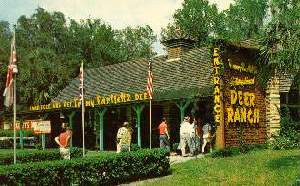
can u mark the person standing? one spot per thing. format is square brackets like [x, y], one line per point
[124, 138]
[164, 136]
[63, 140]
[206, 135]
[185, 130]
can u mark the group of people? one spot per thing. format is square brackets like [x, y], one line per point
[192, 135]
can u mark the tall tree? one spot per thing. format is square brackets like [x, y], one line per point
[244, 19]
[5, 35]
[281, 49]
[50, 51]
[136, 42]
[198, 19]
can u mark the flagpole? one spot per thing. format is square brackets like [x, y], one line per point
[82, 113]
[14, 100]
[15, 116]
[150, 121]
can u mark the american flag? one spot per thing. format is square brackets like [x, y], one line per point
[81, 82]
[150, 81]
[12, 69]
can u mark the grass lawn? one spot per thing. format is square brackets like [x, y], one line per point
[264, 167]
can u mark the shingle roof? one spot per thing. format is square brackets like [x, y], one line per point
[188, 77]
[247, 44]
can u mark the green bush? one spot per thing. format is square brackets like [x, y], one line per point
[10, 133]
[135, 147]
[105, 169]
[25, 156]
[282, 142]
[289, 133]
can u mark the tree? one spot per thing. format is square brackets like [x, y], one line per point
[280, 44]
[244, 19]
[196, 18]
[203, 22]
[5, 35]
[136, 42]
[50, 51]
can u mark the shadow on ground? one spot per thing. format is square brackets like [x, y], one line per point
[283, 162]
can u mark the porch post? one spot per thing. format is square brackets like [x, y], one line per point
[101, 113]
[138, 110]
[182, 105]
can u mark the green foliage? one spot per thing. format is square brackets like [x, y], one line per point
[264, 167]
[244, 19]
[105, 169]
[10, 133]
[203, 22]
[28, 156]
[280, 41]
[197, 18]
[50, 49]
[281, 143]
[289, 133]
[135, 147]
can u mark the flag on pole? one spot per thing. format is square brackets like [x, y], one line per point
[150, 81]
[12, 69]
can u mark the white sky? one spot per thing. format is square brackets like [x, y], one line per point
[118, 13]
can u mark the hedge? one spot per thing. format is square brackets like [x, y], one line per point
[10, 133]
[25, 156]
[105, 169]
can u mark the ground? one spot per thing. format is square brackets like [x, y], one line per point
[264, 167]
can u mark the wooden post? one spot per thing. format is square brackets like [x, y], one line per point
[220, 131]
[138, 110]
[182, 105]
[101, 113]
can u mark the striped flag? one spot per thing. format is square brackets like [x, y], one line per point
[81, 82]
[150, 81]
[12, 69]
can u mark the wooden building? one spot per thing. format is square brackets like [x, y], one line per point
[217, 85]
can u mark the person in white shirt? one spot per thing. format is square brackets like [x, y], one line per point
[206, 135]
[185, 133]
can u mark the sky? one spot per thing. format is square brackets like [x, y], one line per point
[117, 13]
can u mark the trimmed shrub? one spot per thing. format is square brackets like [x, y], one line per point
[281, 143]
[10, 133]
[105, 169]
[26, 156]
[135, 147]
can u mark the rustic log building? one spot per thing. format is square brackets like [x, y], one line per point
[217, 85]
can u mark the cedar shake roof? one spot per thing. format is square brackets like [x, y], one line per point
[188, 77]
[247, 44]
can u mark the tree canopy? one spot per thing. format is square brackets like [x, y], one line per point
[50, 49]
[275, 24]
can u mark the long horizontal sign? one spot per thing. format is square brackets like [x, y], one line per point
[97, 101]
